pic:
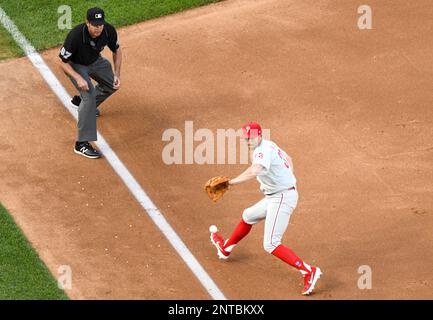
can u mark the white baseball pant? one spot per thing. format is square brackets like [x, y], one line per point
[276, 209]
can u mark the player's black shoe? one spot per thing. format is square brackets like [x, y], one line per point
[76, 100]
[85, 149]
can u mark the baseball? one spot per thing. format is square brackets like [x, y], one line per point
[213, 228]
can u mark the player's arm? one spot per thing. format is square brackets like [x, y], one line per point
[117, 62]
[113, 44]
[82, 84]
[253, 171]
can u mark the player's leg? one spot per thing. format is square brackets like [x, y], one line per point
[280, 208]
[86, 115]
[102, 72]
[278, 215]
[250, 216]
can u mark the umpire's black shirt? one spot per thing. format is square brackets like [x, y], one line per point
[80, 48]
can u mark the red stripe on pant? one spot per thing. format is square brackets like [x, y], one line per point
[276, 217]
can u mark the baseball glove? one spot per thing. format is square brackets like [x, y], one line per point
[216, 187]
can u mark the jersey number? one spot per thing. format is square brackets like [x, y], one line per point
[65, 54]
[282, 156]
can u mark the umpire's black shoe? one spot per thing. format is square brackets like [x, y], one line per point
[76, 100]
[85, 149]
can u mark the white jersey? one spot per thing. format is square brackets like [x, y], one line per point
[278, 175]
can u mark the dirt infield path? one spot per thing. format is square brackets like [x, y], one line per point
[353, 109]
[77, 212]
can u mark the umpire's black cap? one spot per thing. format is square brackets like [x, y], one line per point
[96, 16]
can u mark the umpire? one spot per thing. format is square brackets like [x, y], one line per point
[82, 61]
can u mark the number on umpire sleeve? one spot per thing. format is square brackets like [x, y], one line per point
[65, 54]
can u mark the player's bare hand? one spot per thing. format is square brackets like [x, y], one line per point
[82, 84]
[116, 83]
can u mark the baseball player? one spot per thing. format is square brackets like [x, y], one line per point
[82, 61]
[273, 168]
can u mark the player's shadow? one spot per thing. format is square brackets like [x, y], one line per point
[327, 285]
[239, 257]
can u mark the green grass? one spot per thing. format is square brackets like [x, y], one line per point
[8, 47]
[37, 19]
[22, 274]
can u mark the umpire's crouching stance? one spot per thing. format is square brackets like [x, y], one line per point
[81, 61]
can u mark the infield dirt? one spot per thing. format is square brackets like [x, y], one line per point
[352, 107]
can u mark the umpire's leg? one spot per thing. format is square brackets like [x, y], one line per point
[87, 108]
[102, 73]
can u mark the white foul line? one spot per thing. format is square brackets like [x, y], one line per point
[124, 174]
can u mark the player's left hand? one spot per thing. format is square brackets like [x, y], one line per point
[116, 83]
[216, 187]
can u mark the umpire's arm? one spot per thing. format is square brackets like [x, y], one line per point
[67, 68]
[117, 62]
